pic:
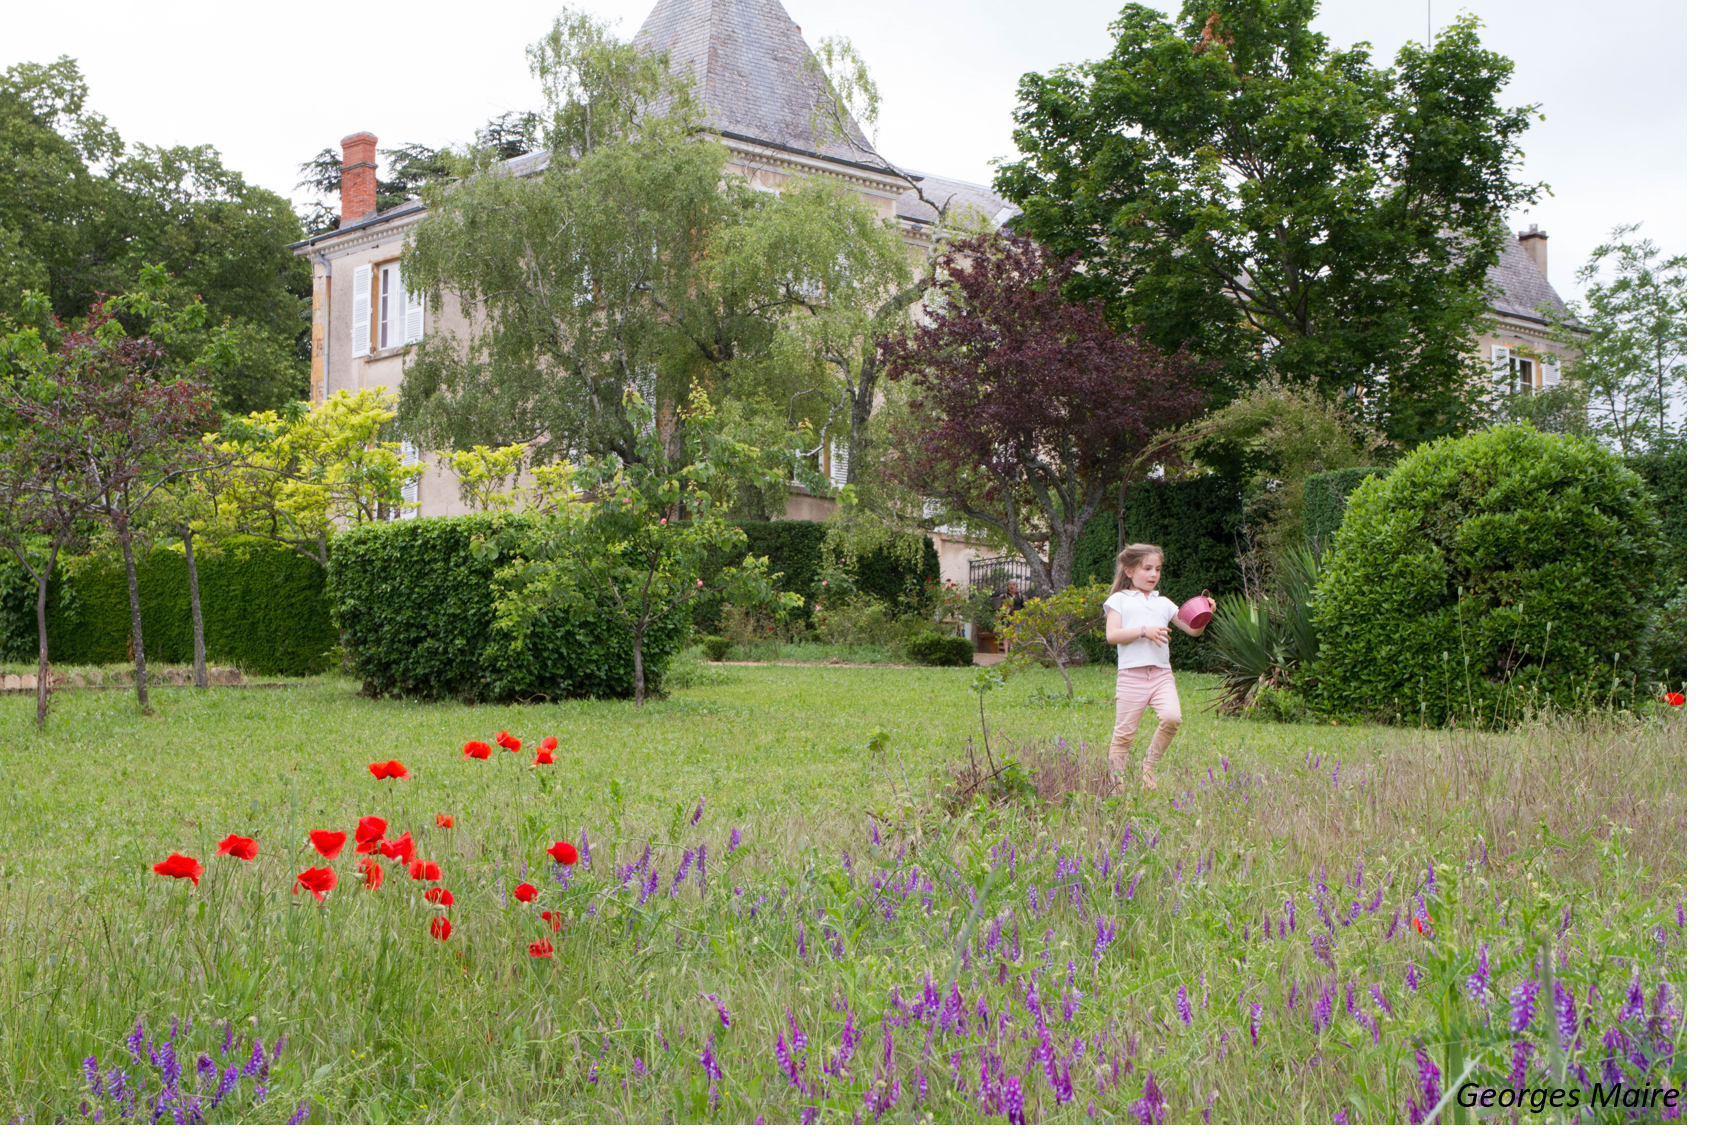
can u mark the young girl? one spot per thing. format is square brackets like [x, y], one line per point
[1138, 620]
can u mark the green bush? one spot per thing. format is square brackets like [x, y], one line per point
[1325, 496]
[717, 648]
[264, 609]
[941, 649]
[1194, 522]
[1665, 473]
[796, 550]
[1486, 573]
[1668, 639]
[415, 603]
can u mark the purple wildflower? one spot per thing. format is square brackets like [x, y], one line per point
[300, 1114]
[1634, 1006]
[722, 1010]
[1104, 937]
[734, 840]
[1151, 1107]
[231, 1076]
[1523, 997]
[1012, 1096]
[1520, 1057]
[707, 1059]
[1412, 979]
[1183, 1006]
[1255, 1021]
[1379, 996]
[680, 875]
[135, 1040]
[698, 812]
[584, 847]
[648, 889]
[1340, 1117]
[1565, 1012]
[1430, 1079]
[255, 1063]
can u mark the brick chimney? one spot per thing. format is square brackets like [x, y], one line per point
[360, 184]
[1534, 242]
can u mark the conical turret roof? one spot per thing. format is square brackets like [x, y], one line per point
[753, 72]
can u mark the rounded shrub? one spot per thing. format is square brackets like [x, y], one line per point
[941, 649]
[717, 648]
[1484, 574]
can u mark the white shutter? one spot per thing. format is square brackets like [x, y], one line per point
[361, 313]
[411, 318]
[1550, 375]
[1501, 355]
[410, 454]
[839, 463]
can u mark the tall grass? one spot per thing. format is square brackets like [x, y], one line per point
[849, 908]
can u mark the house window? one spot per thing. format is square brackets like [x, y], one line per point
[1522, 375]
[385, 314]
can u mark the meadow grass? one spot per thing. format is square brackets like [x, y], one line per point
[1277, 869]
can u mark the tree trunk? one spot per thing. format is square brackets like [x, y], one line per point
[42, 636]
[200, 677]
[638, 667]
[138, 650]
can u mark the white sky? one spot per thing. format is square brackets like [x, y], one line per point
[269, 86]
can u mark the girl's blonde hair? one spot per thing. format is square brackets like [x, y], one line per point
[1129, 560]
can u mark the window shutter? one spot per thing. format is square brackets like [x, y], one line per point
[410, 454]
[1501, 355]
[361, 315]
[411, 318]
[1550, 375]
[839, 463]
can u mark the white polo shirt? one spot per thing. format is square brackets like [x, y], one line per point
[1136, 609]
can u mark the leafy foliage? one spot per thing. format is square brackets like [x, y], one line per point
[1046, 630]
[1324, 498]
[1665, 473]
[1244, 189]
[1025, 407]
[936, 648]
[1509, 568]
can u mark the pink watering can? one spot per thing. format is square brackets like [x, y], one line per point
[1196, 614]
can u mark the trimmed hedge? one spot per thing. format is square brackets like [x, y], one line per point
[1665, 473]
[415, 604]
[1325, 496]
[796, 550]
[941, 649]
[1193, 521]
[264, 609]
[1484, 573]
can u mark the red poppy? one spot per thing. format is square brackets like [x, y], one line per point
[441, 928]
[239, 847]
[402, 848]
[541, 948]
[369, 829]
[550, 744]
[443, 821]
[393, 769]
[319, 880]
[1676, 699]
[425, 869]
[439, 896]
[476, 750]
[507, 741]
[543, 756]
[525, 893]
[178, 866]
[370, 873]
[564, 852]
[1422, 926]
[552, 918]
[328, 843]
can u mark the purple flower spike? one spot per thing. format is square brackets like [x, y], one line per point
[1182, 1006]
[1412, 979]
[1523, 1004]
[707, 1060]
[584, 847]
[300, 1114]
[1256, 1020]
[722, 1010]
[1150, 1108]
[698, 812]
[1430, 1080]
[734, 839]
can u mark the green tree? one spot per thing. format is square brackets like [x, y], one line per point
[1630, 340]
[1240, 187]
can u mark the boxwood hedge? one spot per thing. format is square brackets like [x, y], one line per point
[414, 602]
[1483, 574]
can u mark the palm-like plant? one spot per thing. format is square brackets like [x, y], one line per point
[1259, 642]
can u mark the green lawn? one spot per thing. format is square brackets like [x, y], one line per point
[384, 1023]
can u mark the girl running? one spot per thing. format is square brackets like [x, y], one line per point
[1138, 620]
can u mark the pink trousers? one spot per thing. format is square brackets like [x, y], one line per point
[1147, 686]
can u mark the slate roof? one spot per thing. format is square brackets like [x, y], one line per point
[1516, 286]
[959, 195]
[752, 70]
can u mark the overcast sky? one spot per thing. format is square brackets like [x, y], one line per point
[269, 87]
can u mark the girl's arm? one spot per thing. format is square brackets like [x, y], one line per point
[1118, 636]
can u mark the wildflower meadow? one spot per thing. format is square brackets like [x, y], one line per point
[764, 898]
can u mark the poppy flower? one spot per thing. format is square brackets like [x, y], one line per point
[319, 880]
[543, 756]
[551, 743]
[564, 852]
[328, 843]
[1422, 926]
[402, 848]
[552, 918]
[444, 821]
[439, 896]
[441, 928]
[507, 741]
[1676, 699]
[476, 750]
[239, 847]
[178, 866]
[525, 893]
[392, 769]
[370, 873]
[425, 869]
[541, 948]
